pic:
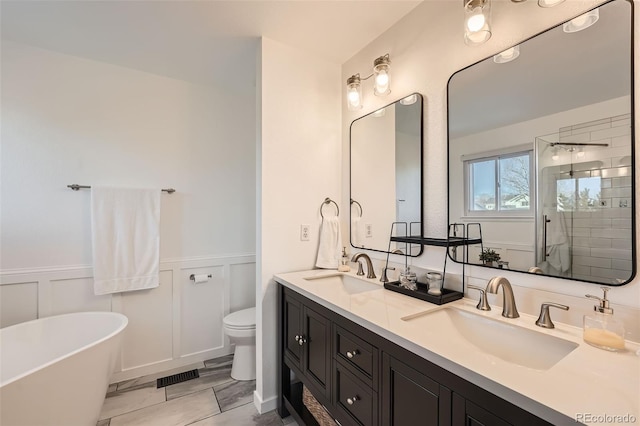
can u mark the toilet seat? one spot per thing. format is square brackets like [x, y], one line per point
[241, 320]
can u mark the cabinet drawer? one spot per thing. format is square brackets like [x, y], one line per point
[355, 400]
[355, 352]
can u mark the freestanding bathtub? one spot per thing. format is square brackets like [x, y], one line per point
[56, 370]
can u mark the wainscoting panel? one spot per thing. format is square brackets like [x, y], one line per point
[175, 324]
[75, 295]
[148, 337]
[204, 305]
[18, 303]
[243, 286]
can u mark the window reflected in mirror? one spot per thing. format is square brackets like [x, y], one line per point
[541, 152]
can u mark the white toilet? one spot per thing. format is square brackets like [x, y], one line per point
[240, 326]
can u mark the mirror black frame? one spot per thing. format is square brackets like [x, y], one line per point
[634, 247]
[421, 230]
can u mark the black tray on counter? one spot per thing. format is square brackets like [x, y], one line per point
[421, 293]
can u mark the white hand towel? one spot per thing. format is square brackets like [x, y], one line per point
[125, 225]
[330, 247]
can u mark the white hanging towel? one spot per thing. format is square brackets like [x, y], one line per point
[330, 248]
[125, 225]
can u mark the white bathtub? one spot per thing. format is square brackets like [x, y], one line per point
[56, 370]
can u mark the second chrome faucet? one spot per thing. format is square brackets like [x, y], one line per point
[509, 309]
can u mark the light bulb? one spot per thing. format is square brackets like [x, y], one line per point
[549, 3]
[380, 113]
[382, 83]
[382, 80]
[507, 56]
[580, 153]
[476, 21]
[354, 93]
[581, 22]
[354, 97]
[409, 100]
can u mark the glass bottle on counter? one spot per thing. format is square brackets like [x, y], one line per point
[601, 329]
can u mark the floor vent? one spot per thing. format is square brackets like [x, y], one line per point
[177, 378]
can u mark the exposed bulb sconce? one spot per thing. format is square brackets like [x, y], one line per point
[542, 3]
[582, 22]
[507, 55]
[477, 21]
[555, 156]
[354, 93]
[549, 3]
[580, 153]
[382, 81]
[381, 85]
[409, 100]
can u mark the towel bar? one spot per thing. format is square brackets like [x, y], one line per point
[77, 187]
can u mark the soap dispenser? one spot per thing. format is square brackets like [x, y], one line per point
[601, 329]
[344, 262]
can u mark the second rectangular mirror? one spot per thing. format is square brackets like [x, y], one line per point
[541, 151]
[386, 176]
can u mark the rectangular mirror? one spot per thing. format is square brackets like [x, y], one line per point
[386, 176]
[541, 151]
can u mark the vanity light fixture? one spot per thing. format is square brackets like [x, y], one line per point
[549, 3]
[381, 85]
[382, 81]
[354, 93]
[409, 100]
[507, 55]
[542, 3]
[477, 21]
[580, 153]
[555, 156]
[582, 22]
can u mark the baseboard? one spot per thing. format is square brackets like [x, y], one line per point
[158, 367]
[264, 406]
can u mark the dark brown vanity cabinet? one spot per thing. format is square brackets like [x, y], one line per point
[411, 398]
[307, 338]
[363, 379]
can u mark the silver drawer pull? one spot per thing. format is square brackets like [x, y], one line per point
[351, 354]
[302, 340]
[352, 400]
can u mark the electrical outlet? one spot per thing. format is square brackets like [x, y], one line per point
[368, 230]
[305, 231]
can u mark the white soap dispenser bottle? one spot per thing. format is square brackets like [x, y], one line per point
[601, 329]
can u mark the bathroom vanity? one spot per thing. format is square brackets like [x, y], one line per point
[372, 356]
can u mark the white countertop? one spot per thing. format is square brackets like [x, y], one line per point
[588, 381]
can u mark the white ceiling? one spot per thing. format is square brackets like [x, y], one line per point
[199, 41]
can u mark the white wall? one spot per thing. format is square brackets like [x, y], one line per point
[68, 120]
[426, 48]
[298, 166]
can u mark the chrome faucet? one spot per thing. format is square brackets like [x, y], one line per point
[509, 309]
[370, 272]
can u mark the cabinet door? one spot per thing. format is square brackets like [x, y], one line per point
[466, 413]
[411, 398]
[292, 324]
[317, 356]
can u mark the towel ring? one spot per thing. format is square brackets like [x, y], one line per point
[327, 201]
[358, 204]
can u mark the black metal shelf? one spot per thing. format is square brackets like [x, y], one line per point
[439, 242]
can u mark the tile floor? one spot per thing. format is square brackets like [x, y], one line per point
[213, 399]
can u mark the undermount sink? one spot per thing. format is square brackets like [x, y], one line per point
[349, 284]
[510, 343]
